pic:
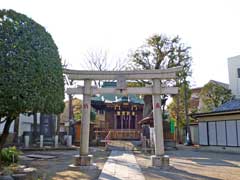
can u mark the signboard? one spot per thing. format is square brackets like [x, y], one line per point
[172, 126]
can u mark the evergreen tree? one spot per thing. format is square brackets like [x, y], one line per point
[30, 70]
[213, 95]
[162, 52]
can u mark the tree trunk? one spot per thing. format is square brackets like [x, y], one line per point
[178, 120]
[16, 129]
[35, 133]
[4, 136]
[70, 113]
[5, 132]
[189, 138]
[147, 109]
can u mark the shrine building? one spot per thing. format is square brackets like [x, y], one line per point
[119, 114]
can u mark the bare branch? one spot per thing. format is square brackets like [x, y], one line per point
[65, 63]
[121, 64]
[98, 60]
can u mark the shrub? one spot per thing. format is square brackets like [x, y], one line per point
[10, 155]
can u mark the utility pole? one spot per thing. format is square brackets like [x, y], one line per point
[188, 138]
[177, 118]
[70, 111]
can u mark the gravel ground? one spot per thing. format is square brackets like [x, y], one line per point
[58, 168]
[185, 164]
[193, 165]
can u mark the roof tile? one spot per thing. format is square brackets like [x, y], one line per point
[229, 106]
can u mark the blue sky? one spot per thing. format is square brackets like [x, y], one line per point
[211, 28]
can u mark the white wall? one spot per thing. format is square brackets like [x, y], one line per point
[25, 123]
[234, 81]
[10, 130]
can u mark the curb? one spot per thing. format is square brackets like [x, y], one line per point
[48, 149]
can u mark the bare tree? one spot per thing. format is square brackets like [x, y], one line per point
[98, 60]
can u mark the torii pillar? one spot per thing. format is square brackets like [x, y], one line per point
[159, 159]
[84, 159]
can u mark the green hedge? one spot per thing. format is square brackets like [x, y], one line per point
[10, 155]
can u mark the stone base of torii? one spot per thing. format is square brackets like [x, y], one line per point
[83, 160]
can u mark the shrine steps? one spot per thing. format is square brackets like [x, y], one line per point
[126, 145]
[123, 145]
[46, 141]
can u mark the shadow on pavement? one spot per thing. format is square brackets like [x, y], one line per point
[173, 174]
[207, 158]
[105, 176]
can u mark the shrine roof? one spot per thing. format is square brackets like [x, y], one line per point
[115, 98]
[109, 84]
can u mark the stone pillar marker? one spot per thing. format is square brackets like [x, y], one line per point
[26, 141]
[41, 141]
[84, 159]
[158, 159]
[69, 140]
[56, 141]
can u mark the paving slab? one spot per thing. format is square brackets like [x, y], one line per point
[121, 165]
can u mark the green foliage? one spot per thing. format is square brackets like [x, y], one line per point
[213, 95]
[30, 68]
[162, 52]
[135, 84]
[9, 155]
[77, 116]
[77, 110]
[173, 106]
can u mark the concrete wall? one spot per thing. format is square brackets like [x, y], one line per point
[234, 81]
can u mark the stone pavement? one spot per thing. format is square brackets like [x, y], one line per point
[121, 165]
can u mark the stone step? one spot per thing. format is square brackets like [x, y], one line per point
[123, 145]
[46, 141]
[134, 145]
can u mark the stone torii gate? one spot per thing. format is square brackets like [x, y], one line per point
[84, 159]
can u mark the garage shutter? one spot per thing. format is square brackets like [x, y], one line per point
[221, 133]
[231, 133]
[203, 139]
[212, 133]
